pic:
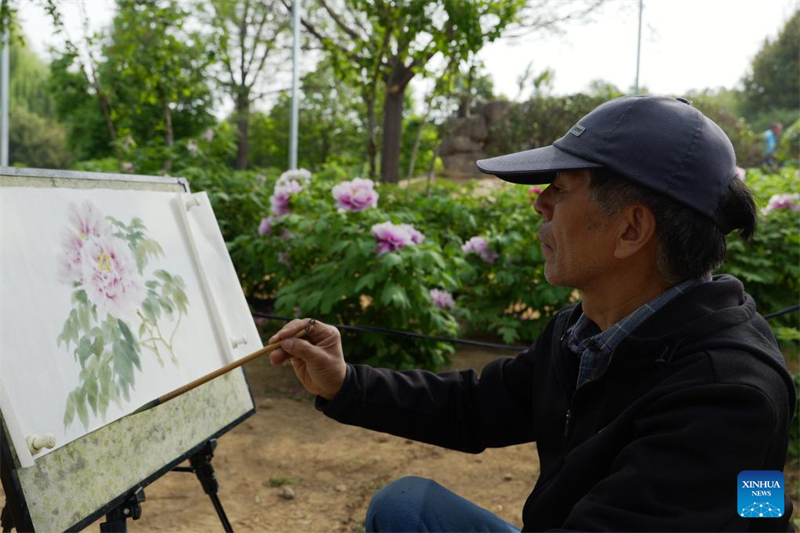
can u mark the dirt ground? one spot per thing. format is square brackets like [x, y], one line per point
[332, 469]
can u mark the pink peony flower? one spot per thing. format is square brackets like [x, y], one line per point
[535, 191]
[392, 237]
[356, 195]
[110, 276]
[442, 299]
[783, 201]
[416, 236]
[479, 247]
[266, 225]
[87, 222]
[300, 176]
[281, 195]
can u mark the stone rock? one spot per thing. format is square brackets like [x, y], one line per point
[341, 488]
[473, 127]
[287, 493]
[460, 165]
[507, 477]
[494, 112]
[383, 438]
[458, 144]
[266, 403]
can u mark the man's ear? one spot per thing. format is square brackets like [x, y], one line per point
[637, 231]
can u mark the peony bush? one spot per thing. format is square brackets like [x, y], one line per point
[459, 261]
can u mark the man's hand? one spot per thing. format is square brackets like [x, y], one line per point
[317, 359]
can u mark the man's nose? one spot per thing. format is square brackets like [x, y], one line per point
[542, 204]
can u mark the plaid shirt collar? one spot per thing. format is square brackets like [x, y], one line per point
[596, 347]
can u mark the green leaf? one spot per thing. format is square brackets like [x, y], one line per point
[367, 281]
[391, 260]
[394, 294]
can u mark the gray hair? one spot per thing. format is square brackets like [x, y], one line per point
[690, 245]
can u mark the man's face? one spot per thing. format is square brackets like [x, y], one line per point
[577, 238]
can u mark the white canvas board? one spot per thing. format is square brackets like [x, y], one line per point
[99, 316]
[223, 283]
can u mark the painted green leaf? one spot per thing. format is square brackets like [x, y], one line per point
[151, 309]
[91, 393]
[163, 274]
[123, 366]
[142, 329]
[83, 350]
[179, 297]
[69, 412]
[152, 284]
[80, 408]
[126, 332]
[83, 317]
[166, 305]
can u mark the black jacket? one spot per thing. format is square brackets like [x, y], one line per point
[698, 393]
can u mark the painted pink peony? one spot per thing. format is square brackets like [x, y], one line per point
[479, 247]
[356, 195]
[442, 299]
[87, 223]
[392, 237]
[110, 276]
[783, 201]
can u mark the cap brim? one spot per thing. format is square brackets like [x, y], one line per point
[533, 166]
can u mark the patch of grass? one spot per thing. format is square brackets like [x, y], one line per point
[280, 481]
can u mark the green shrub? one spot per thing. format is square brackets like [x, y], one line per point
[769, 266]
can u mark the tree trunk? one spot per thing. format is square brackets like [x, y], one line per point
[372, 143]
[112, 131]
[243, 123]
[417, 140]
[170, 137]
[392, 135]
[393, 121]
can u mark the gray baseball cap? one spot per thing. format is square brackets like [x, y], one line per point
[659, 142]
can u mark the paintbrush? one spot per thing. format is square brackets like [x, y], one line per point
[218, 372]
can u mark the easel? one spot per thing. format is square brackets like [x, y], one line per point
[130, 507]
[42, 497]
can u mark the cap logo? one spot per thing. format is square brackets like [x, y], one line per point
[577, 129]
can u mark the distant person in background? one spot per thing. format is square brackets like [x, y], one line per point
[771, 137]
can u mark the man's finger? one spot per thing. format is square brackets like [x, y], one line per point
[290, 330]
[301, 349]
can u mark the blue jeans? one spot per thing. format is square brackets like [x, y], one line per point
[419, 504]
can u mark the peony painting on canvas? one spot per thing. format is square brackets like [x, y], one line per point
[121, 309]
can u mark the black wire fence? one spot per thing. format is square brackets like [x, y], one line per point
[387, 331]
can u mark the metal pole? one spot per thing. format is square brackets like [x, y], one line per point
[638, 48]
[4, 102]
[295, 85]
